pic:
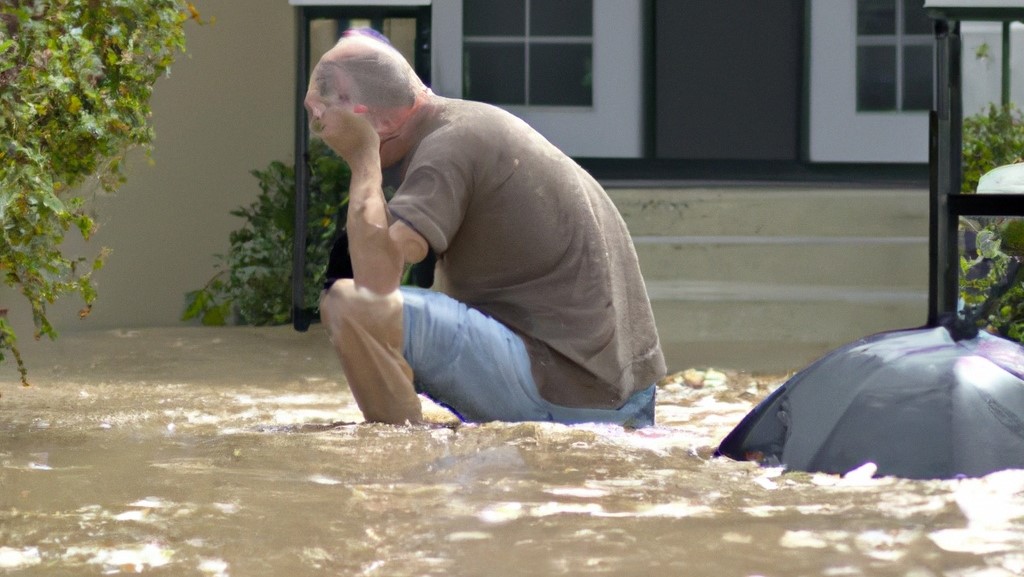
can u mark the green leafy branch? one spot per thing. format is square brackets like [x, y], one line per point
[76, 78]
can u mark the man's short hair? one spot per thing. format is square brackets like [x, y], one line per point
[381, 77]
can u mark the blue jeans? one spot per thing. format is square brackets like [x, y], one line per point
[479, 369]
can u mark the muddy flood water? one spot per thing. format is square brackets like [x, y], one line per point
[237, 452]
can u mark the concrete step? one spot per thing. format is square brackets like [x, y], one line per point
[826, 261]
[767, 279]
[771, 328]
[773, 211]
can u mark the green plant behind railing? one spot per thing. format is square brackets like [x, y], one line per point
[991, 287]
[253, 285]
[991, 138]
[75, 82]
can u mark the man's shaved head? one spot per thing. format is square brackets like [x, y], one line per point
[379, 75]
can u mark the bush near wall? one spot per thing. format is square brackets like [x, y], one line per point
[253, 283]
[76, 78]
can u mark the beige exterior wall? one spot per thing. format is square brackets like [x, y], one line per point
[227, 108]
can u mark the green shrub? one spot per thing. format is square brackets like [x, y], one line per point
[75, 82]
[991, 138]
[253, 285]
[991, 287]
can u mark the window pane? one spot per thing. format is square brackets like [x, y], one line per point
[915, 19]
[561, 75]
[494, 17]
[494, 73]
[561, 18]
[917, 78]
[402, 34]
[876, 78]
[876, 17]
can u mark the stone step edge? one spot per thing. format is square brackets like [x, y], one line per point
[713, 240]
[683, 291]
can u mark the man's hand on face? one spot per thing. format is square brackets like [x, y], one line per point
[348, 133]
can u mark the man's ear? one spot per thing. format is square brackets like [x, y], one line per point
[383, 120]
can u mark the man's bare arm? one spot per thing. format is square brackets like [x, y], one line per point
[377, 259]
[413, 247]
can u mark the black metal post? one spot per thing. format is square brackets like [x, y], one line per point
[1005, 77]
[945, 159]
[935, 208]
[954, 158]
[301, 318]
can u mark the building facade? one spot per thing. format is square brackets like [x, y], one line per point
[693, 84]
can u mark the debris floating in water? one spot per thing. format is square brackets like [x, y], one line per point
[696, 379]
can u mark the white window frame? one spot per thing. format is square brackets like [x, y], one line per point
[613, 126]
[900, 41]
[837, 132]
[527, 40]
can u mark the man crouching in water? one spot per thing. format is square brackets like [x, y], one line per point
[538, 311]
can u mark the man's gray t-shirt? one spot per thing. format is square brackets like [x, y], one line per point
[526, 236]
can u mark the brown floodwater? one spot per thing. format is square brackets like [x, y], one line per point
[238, 452]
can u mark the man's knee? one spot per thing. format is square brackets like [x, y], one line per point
[332, 303]
[345, 304]
[333, 299]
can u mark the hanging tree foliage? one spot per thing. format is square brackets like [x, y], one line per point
[75, 82]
